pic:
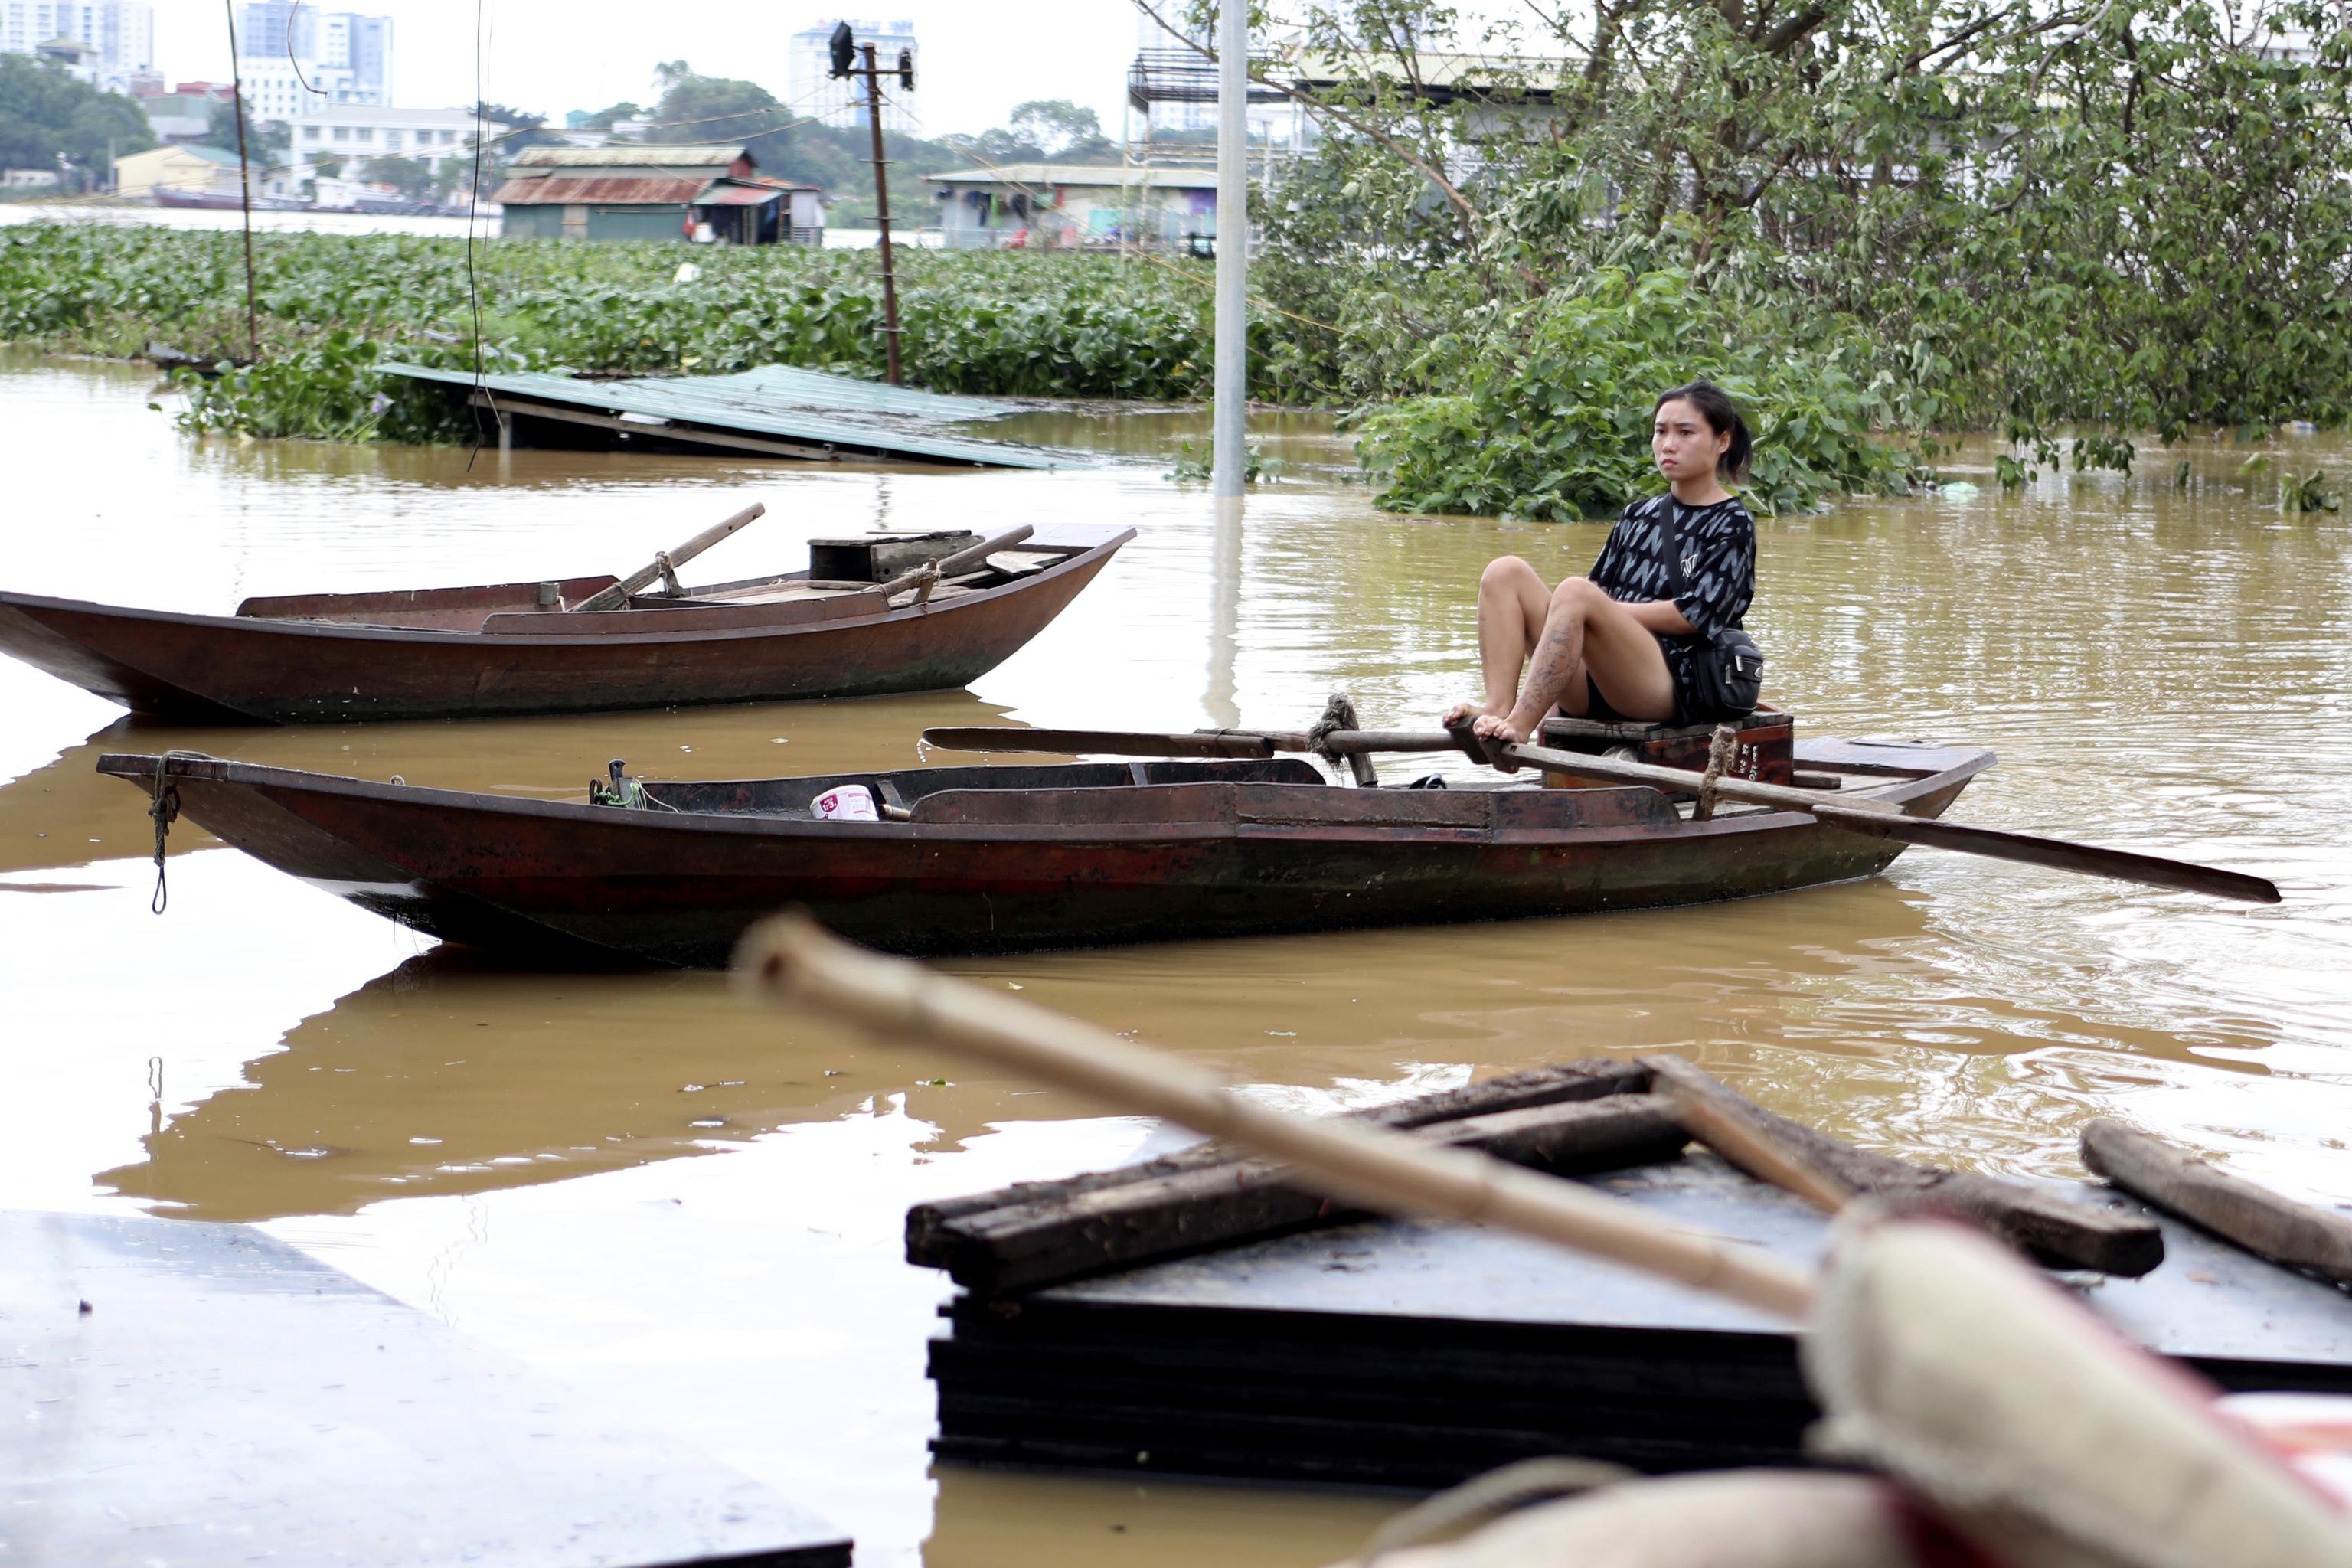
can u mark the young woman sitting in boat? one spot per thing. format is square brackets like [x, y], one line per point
[1651, 634]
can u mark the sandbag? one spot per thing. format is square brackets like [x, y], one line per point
[1728, 1518]
[2032, 1428]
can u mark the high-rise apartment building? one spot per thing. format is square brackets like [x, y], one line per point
[296, 60]
[121, 33]
[817, 94]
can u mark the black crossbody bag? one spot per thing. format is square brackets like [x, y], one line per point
[1727, 669]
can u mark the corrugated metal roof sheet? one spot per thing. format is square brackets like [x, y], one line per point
[652, 155]
[804, 406]
[729, 194]
[1080, 174]
[609, 190]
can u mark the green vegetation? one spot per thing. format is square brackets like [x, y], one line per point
[2069, 224]
[999, 322]
[48, 121]
[1552, 417]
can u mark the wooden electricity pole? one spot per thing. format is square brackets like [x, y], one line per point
[882, 205]
[244, 186]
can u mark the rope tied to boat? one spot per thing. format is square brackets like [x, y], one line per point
[1720, 753]
[164, 809]
[668, 574]
[1339, 714]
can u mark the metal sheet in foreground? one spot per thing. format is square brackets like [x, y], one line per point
[1394, 1353]
[223, 1399]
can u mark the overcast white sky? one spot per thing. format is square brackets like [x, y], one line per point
[980, 57]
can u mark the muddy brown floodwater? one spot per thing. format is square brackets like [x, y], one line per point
[628, 1181]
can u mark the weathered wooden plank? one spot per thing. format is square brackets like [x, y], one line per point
[2237, 1210]
[2051, 1228]
[1070, 1236]
[1588, 1079]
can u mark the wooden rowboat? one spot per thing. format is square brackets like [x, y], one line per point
[528, 647]
[1001, 858]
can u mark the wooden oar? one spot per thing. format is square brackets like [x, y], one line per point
[668, 562]
[789, 959]
[1858, 813]
[927, 576]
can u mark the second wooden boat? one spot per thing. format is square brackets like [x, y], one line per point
[838, 629]
[978, 859]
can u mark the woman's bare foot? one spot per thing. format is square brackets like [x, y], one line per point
[1466, 711]
[1498, 727]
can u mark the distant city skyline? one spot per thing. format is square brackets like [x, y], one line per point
[121, 32]
[295, 60]
[555, 56]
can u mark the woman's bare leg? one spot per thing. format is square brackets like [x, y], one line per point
[1586, 633]
[1512, 604]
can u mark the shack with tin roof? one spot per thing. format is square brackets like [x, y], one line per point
[682, 191]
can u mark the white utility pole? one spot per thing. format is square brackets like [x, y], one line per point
[1230, 458]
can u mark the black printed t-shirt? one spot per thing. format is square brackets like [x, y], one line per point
[1718, 576]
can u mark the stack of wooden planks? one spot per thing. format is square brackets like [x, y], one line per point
[1194, 1315]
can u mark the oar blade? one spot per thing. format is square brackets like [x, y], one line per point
[1098, 742]
[2026, 849]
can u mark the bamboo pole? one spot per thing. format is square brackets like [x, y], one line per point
[791, 962]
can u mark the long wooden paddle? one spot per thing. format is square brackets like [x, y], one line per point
[1876, 818]
[668, 562]
[791, 960]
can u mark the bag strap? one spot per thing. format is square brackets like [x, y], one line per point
[1677, 581]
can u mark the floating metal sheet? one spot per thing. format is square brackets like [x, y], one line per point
[808, 407]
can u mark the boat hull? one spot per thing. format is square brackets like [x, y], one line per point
[1243, 859]
[239, 668]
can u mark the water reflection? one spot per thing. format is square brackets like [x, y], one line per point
[451, 1075]
[1225, 614]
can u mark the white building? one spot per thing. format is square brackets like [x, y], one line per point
[352, 133]
[1068, 207]
[296, 60]
[121, 32]
[842, 100]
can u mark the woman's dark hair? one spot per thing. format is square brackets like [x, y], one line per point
[1722, 416]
